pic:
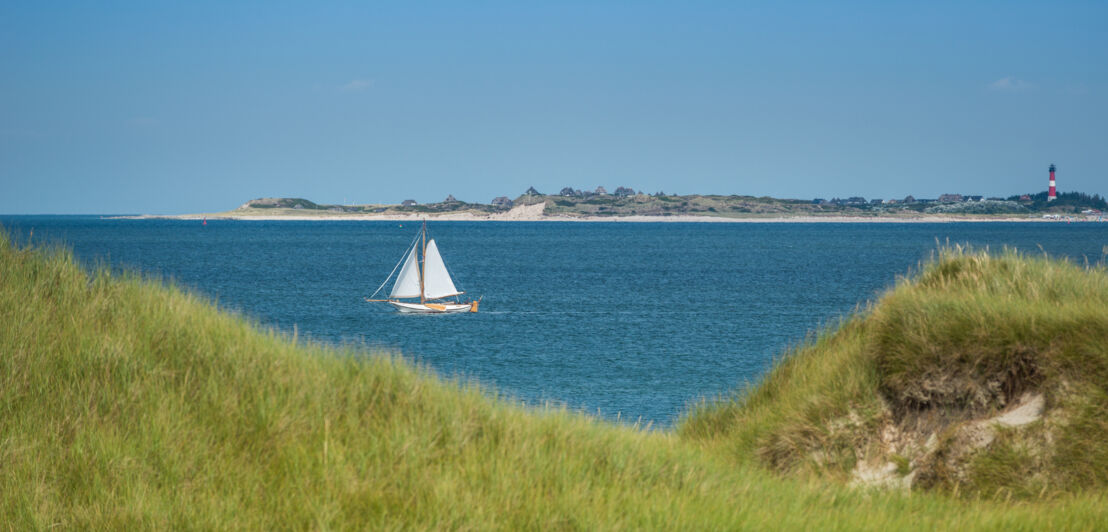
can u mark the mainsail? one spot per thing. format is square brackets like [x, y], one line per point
[425, 279]
[436, 280]
[407, 283]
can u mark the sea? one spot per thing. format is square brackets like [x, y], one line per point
[629, 321]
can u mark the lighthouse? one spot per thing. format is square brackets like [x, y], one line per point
[1051, 195]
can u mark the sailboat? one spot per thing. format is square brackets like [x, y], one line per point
[426, 279]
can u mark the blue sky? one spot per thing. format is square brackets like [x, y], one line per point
[151, 107]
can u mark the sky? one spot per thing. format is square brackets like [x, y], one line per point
[180, 107]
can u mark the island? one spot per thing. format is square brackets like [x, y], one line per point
[625, 204]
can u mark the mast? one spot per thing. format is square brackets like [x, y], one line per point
[423, 270]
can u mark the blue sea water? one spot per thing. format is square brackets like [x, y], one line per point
[634, 320]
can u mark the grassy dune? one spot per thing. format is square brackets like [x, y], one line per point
[918, 379]
[126, 403]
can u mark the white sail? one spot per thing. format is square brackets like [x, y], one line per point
[436, 280]
[407, 283]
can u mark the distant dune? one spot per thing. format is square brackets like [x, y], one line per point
[657, 208]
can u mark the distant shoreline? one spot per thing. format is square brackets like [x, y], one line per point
[466, 217]
[641, 208]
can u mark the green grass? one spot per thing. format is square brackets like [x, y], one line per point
[127, 403]
[958, 343]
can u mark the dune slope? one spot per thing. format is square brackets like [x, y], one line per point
[127, 403]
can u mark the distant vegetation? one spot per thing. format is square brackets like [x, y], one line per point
[130, 404]
[666, 205]
[1074, 202]
[282, 203]
[627, 202]
[295, 206]
[978, 207]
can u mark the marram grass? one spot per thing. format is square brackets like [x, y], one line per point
[126, 403]
[966, 339]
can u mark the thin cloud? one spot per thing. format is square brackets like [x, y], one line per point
[356, 85]
[1009, 84]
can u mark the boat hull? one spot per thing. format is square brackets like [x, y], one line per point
[434, 308]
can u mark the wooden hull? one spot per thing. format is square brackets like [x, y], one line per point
[434, 308]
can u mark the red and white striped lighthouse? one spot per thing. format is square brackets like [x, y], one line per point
[1051, 195]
